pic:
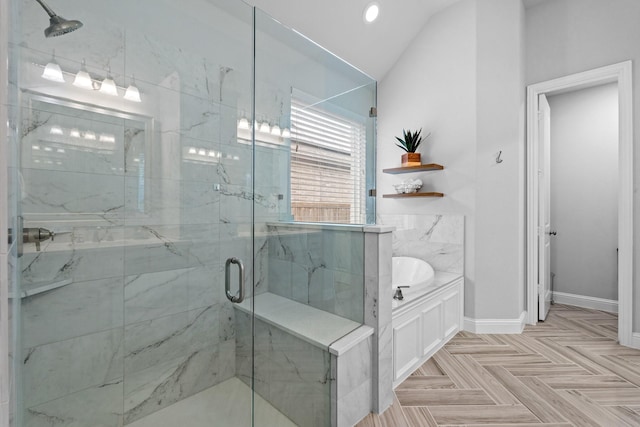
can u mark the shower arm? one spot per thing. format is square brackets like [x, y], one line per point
[46, 8]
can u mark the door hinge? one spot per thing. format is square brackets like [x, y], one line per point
[372, 192]
[373, 112]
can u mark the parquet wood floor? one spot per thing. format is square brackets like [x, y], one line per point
[566, 371]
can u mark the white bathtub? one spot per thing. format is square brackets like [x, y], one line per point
[415, 273]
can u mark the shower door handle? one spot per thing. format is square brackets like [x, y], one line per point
[239, 297]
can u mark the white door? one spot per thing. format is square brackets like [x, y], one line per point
[544, 217]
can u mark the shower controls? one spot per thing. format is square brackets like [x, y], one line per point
[34, 235]
[239, 296]
[398, 293]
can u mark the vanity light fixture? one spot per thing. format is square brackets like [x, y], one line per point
[371, 12]
[243, 123]
[286, 133]
[264, 127]
[53, 71]
[83, 79]
[132, 93]
[275, 130]
[107, 137]
[108, 85]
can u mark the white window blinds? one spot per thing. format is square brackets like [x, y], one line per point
[328, 153]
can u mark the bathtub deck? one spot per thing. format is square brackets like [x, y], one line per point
[441, 279]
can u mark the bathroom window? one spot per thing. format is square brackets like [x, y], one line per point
[328, 152]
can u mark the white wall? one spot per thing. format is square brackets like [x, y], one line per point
[462, 80]
[584, 196]
[433, 86]
[569, 36]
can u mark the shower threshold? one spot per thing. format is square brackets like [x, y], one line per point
[226, 404]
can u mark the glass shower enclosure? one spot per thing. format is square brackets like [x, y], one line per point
[146, 209]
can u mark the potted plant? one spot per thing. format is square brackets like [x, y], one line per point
[410, 143]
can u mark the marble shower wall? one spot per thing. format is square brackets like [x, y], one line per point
[148, 200]
[291, 374]
[318, 265]
[437, 239]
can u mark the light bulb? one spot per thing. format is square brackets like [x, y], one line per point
[108, 87]
[104, 137]
[243, 123]
[275, 130]
[286, 133]
[53, 72]
[83, 79]
[132, 93]
[264, 127]
[371, 12]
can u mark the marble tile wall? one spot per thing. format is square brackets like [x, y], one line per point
[437, 239]
[144, 224]
[321, 267]
[291, 374]
[352, 384]
[378, 297]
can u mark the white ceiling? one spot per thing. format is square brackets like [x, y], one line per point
[338, 26]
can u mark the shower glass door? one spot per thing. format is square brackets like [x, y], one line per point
[134, 191]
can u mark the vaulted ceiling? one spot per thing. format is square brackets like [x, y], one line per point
[338, 26]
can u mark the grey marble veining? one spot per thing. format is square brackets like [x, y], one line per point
[96, 406]
[74, 310]
[291, 374]
[152, 295]
[150, 342]
[437, 239]
[172, 380]
[319, 267]
[377, 314]
[71, 365]
[352, 391]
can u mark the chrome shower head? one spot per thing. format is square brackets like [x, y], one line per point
[57, 24]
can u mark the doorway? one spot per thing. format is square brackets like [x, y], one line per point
[538, 268]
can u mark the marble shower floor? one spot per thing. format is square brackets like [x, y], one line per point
[226, 404]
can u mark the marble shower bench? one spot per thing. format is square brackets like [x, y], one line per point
[307, 360]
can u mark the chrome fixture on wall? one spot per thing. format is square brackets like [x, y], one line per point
[57, 24]
[34, 235]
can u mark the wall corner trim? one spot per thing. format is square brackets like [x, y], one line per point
[495, 326]
[635, 340]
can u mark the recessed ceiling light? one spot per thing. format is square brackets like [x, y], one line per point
[371, 12]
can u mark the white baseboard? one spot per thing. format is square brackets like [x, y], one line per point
[495, 326]
[593, 303]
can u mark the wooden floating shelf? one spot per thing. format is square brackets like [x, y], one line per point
[398, 196]
[408, 169]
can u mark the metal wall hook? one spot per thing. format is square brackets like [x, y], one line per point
[498, 159]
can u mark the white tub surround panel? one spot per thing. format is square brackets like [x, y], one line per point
[424, 324]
